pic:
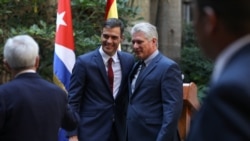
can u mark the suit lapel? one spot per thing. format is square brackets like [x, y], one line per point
[131, 76]
[133, 72]
[146, 71]
[123, 72]
[101, 67]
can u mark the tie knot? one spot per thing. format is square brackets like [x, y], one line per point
[110, 60]
[142, 63]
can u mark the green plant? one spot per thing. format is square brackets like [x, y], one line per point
[88, 17]
[38, 18]
[41, 32]
[195, 67]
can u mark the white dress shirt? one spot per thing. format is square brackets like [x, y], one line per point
[26, 71]
[116, 66]
[147, 61]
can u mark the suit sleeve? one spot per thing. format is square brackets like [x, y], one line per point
[225, 111]
[77, 84]
[172, 97]
[2, 112]
[70, 120]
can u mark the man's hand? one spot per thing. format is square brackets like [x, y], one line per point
[73, 138]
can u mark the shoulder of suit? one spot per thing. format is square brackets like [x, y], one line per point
[123, 53]
[87, 56]
[165, 61]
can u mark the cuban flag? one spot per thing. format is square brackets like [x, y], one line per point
[64, 56]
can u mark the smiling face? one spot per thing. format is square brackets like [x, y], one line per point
[111, 38]
[142, 46]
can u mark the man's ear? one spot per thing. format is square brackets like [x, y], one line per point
[212, 21]
[6, 65]
[122, 38]
[154, 40]
[37, 62]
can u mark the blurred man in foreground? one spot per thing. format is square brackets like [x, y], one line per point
[223, 31]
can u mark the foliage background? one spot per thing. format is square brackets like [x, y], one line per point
[194, 65]
[38, 17]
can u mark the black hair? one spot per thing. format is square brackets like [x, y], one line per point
[235, 14]
[114, 22]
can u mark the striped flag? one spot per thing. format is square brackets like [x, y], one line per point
[64, 56]
[111, 9]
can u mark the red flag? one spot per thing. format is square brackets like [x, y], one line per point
[111, 9]
[64, 31]
[64, 56]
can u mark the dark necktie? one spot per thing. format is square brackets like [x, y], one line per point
[110, 74]
[137, 71]
[138, 68]
[143, 65]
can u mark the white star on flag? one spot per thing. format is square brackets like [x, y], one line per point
[59, 20]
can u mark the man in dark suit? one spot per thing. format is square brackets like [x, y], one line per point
[98, 98]
[31, 108]
[224, 35]
[155, 96]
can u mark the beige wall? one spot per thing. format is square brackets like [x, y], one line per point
[144, 7]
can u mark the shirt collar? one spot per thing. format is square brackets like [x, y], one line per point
[105, 56]
[26, 71]
[224, 57]
[151, 57]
